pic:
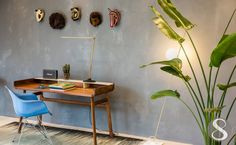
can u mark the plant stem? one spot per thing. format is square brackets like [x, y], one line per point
[209, 87]
[205, 128]
[194, 116]
[221, 102]
[199, 60]
[229, 22]
[194, 75]
[199, 103]
[230, 108]
[207, 121]
[231, 139]
[189, 86]
[208, 115]
[197, 107]
[213, 88]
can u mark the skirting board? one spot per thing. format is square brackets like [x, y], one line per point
[6, 120]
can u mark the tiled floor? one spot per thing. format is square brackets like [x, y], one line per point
[6, 120]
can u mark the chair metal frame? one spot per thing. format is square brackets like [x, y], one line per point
[39, 127]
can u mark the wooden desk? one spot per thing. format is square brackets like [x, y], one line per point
[93, 92]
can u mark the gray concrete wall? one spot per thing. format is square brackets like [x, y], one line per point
[27, 47]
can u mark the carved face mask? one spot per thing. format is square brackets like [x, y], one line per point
[39, 14]
[75, 13]
[114, 17]
[95, 19]
[57, 21]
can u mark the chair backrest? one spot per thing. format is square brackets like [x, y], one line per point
[16, 101]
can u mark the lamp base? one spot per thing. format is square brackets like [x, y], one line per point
[89, 80]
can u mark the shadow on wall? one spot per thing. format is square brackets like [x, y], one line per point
[128, 106]
[3, 97]
[2, 82]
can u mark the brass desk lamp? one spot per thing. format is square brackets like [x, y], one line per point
[91, 55]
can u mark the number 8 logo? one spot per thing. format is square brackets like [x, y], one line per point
[220, 129]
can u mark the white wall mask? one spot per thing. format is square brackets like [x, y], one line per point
[39, 14]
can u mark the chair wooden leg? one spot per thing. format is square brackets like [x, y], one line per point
[20, 125]
[108, 109]
[40, 117]
[20, 120]
[93, 120]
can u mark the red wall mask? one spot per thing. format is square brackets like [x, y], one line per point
[114, 17]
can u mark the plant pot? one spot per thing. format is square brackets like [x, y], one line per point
[66, 76]
[86, 85]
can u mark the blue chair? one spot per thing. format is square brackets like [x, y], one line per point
[28, 105]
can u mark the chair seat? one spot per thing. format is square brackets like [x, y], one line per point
[32, 108]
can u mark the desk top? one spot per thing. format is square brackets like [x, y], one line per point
[95, 88]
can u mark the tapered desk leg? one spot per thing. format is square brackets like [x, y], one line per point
[108, 108]
[93, 120]
[20, 125]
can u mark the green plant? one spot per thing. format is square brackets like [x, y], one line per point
[207, 108]
[66, 68]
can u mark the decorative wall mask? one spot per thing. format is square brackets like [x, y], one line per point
[95, 19]
[114, 17]
[57, 21]
[39, 14]
[75, 13]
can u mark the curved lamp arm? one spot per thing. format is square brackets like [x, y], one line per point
[91, 55]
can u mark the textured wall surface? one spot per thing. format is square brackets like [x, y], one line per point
[27, 47]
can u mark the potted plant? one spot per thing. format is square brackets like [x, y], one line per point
[66, 71]
[207, 108]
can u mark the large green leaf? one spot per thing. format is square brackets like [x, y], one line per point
[173, 67]
[224, 50]
[224, 87]
[175, 72]
[164, 27]
[176, 62]
[165, 93]
[173, 13]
